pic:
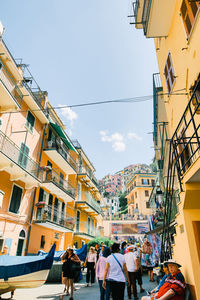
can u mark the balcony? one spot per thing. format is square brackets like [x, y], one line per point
[84, 230]
[34, 97]
[11, 96]
[185, 142]
[57, 185]
[154, 16]
[157, 88]
[49, 217]
[85, 175]
[58, 152]
[17, 164]
[88, 204]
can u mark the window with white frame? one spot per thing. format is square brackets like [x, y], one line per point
[169, 73]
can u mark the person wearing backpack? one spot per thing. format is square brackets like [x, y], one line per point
[118, 273]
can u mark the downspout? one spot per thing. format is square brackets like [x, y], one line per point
[33, 197]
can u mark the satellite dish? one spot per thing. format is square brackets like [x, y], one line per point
[1, 29]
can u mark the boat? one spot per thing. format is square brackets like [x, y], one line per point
[24, 271]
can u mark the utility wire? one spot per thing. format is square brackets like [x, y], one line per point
[125, 100]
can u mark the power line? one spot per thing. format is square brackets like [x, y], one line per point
[124, 100]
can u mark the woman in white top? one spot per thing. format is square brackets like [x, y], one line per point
[117, 271]
[91, 264]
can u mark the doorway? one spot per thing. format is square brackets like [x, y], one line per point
[21, 243]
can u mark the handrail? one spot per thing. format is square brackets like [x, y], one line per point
[10, 85]
[44, 213]
[60, 147]
[51, 175]
[91, 201]
[11, 150]
[85, 228]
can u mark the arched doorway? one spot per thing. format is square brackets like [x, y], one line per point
[21, 242]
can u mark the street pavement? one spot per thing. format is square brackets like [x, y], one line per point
[54, 291]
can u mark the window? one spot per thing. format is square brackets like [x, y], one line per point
[61, 179]
[30, 121]
[135, 194]
[146, 193]
[89, 221]
[42, 242]
[169, 73]
[78, 220]
[15, 199]
[147, 204]
[144, 181]
[43, 196]
[23, 155]
[136, 206]
[189, 11]
[153, 182]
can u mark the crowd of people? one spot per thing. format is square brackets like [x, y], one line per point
[120, 265]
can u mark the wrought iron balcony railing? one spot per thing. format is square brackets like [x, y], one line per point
[15, 154]
[50, 175]
[84, 227]
[86, 170]
[91, 201]
[8, 82]
[59, 146]
[47, 213]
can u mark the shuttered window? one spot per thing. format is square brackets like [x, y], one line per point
[15, 199]
[30, 121]
[189, 11]
[169, 73]
[23, 155]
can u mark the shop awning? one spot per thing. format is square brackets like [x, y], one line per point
[63, 136]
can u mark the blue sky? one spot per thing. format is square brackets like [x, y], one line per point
[85, 51]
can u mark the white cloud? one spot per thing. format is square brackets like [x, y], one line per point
[116, 139]
[119, 146]
[133, 135]
[69, 114]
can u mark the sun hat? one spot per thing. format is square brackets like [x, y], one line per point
[173, 262]
[129, 248]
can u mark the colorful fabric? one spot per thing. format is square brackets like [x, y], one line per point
[176, 283]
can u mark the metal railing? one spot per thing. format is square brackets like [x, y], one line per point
[87, 197]
[47, 213]
[86, 170]
[64, 152]
[141, 184]
[186, 138]
[52, 176]
[33, 88]
[145, 14]
[157, 87]
[84, 227]
[14, 153]
[10, 85]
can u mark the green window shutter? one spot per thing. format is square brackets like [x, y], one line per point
[30, 121]
[41, 195]
[23, 155]
[15, 199]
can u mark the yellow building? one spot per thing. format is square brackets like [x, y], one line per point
[22, 119]
[139, 189]
[53, 213]
[175, 27]
[48, 192]
[88, 209]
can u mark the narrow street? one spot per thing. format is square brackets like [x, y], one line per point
[53, 292]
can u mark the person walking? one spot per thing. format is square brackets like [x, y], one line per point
[116, 266]
[132, 267]
[98, 250]
[69, 258]
[139, 271]
[91, 264]
[100, 268]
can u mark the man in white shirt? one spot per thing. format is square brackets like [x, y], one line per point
[132, 267]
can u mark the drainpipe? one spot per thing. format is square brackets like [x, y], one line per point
[33, 197]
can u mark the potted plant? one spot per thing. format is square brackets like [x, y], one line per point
[40, 204]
